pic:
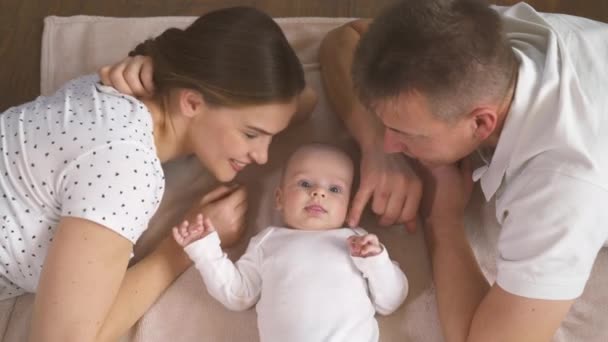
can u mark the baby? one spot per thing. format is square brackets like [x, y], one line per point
[313, 280]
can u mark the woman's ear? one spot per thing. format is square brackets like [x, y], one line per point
[191, 102]
[483, 122]
[278, 199]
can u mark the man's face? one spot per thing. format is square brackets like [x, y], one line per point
[411, 129]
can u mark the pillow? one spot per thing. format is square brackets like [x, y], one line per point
[72, 46]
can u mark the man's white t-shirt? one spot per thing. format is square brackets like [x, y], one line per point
[549, 171]
[306, 284]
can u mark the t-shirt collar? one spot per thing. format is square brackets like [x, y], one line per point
[492, 174]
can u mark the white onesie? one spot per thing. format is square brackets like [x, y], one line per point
[306, 284]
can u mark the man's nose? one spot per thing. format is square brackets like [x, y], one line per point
[392, 144]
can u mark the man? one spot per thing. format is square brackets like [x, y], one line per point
[527, 91]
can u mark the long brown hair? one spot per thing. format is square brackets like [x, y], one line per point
[234, 57]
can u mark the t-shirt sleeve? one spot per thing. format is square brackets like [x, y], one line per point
[117, 185]
[552, 229]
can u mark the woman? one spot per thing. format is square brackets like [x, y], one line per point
[82, 169]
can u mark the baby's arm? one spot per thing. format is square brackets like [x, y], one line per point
[387, 284]
[236, 286]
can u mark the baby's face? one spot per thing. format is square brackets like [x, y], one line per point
[315, 190]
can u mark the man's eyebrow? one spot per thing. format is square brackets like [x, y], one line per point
[259, 130]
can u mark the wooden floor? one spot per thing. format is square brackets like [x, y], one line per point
[21, 25]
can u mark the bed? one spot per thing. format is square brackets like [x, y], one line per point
[185, 312]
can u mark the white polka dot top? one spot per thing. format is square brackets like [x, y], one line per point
[87, 152]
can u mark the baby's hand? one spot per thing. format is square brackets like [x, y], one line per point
[364, 246]
[187, 233]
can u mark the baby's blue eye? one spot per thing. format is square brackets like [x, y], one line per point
[335, 189]
[304, 184]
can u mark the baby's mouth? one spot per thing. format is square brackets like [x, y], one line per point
[315, 209]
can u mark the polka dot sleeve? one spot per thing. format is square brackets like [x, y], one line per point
[118, 185]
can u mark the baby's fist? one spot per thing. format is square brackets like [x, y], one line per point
[364, 246]
[186, 233]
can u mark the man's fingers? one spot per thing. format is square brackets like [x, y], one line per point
[411, 225]
[380, 200]
[359, 202]
[412, 203]
[394, 207]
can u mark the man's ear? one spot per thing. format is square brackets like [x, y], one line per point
[483, 122]
[191, 102]
[278, 199]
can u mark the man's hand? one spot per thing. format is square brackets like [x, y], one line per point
[131, 76]
[394, 186]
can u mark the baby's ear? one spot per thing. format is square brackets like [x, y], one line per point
[278, 199]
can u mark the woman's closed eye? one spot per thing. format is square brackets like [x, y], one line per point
[250, 135]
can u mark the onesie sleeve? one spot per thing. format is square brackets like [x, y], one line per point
[388, 285]
[118, 185]
[236, 286]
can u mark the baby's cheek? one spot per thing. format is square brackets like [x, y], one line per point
[342, 211]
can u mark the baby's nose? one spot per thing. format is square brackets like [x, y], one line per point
[318, 193]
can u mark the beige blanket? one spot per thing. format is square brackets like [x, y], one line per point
[75, 45]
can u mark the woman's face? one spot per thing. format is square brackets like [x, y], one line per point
[226, 140]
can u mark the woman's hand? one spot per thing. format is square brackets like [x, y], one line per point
[226, 207]
[394, 186]
[131, 76]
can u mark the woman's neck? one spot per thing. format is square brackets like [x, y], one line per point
[168, 135]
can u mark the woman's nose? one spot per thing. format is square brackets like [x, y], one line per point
[260, 155]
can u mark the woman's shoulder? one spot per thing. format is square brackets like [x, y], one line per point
[89, 88]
